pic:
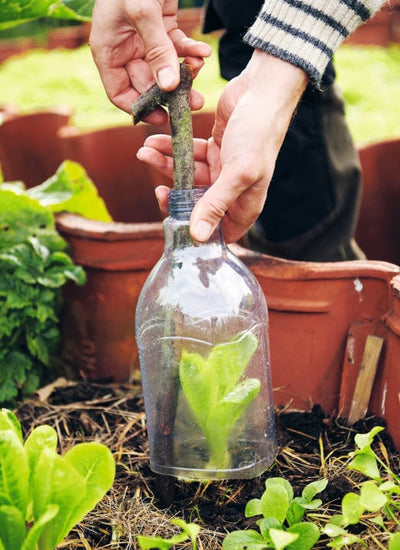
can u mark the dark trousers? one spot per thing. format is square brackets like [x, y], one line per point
[313, 199]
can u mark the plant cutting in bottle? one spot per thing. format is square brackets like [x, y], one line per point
[216, 394]
[194, 357]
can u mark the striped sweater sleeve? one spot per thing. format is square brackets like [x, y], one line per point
[307, 32]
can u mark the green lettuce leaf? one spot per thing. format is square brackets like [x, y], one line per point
[70, 189]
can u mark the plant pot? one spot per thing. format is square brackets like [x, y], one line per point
[381, 30]
[190, 19]
[379, 219]
[29, 146]
[318, 312]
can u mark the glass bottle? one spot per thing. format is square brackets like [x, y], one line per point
[202, 334]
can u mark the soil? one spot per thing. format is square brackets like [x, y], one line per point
[311, 446]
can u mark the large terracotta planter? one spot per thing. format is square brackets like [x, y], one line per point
[29, 146]
[320, 313]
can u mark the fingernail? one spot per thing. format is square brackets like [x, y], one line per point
[166, 78]
[139, 153]
[202, 230]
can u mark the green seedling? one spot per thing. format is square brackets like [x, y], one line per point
[43, 494]
[189, 531]
[217, 394]
[378, 497]
[281, 525]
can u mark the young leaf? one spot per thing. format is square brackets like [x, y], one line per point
[313, 489]
[95, 463]
[371, 497]
[229, 361]
[282, 539]
[308, 536]
[275, 503]
[12, 527]
[71, 189]
[280, 482]
[366, 464]
[352, 508]
[146, 543]
[8, 421]
[253, 508]
[14, 471]
[363, 441]
[191, 529]
[394, 543]
[195, 377]
[241, 540]
[32, 539]
[55, 482]
[42, 437]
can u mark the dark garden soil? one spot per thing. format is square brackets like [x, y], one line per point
[311, 446]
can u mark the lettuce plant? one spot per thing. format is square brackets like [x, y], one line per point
[217, 394]
[378, 497]
[281, 524]
[43, 494]
[189, 531]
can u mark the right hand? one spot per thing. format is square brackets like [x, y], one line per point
[252, 118]
[136, 43]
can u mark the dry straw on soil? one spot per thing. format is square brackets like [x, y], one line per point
[311, 446]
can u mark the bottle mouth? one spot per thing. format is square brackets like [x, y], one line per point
[182, 201]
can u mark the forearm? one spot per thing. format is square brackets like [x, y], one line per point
[308, 32]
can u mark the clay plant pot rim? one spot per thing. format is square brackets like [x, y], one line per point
[279, 268]
[98, 232]
[84, 228]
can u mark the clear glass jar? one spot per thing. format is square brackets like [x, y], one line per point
[202, 335]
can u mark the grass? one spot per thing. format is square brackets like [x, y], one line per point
[368, 76]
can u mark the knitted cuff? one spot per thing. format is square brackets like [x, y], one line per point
[308, 32]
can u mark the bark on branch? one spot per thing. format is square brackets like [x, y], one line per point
[180, 117]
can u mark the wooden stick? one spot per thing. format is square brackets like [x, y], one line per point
[180, 116]
[365, 379]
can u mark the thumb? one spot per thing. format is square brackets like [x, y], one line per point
[212, 207]
[160, 52]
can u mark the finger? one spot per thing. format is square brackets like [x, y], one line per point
[160, 51]
[164, 164]
[215, 203]
[163, 144]
[161, 193]
[189, 47]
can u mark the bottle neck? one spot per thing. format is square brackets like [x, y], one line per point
[176, 227]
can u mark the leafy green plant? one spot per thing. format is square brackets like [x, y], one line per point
[281, 525]
[43, 494]
[189, 531]
[216, 394]
[15, 12]
[376, 496]
[34, 266]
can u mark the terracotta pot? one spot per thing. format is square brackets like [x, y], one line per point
[29, 146]
[313, 307]
[381, 30]
[68, 37]
[190, 19]
[379, 219]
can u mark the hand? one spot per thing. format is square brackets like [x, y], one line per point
[252, 118]
[135, 43]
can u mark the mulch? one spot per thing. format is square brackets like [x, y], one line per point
[312, 446]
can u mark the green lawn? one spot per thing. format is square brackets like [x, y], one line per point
[369, 78]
